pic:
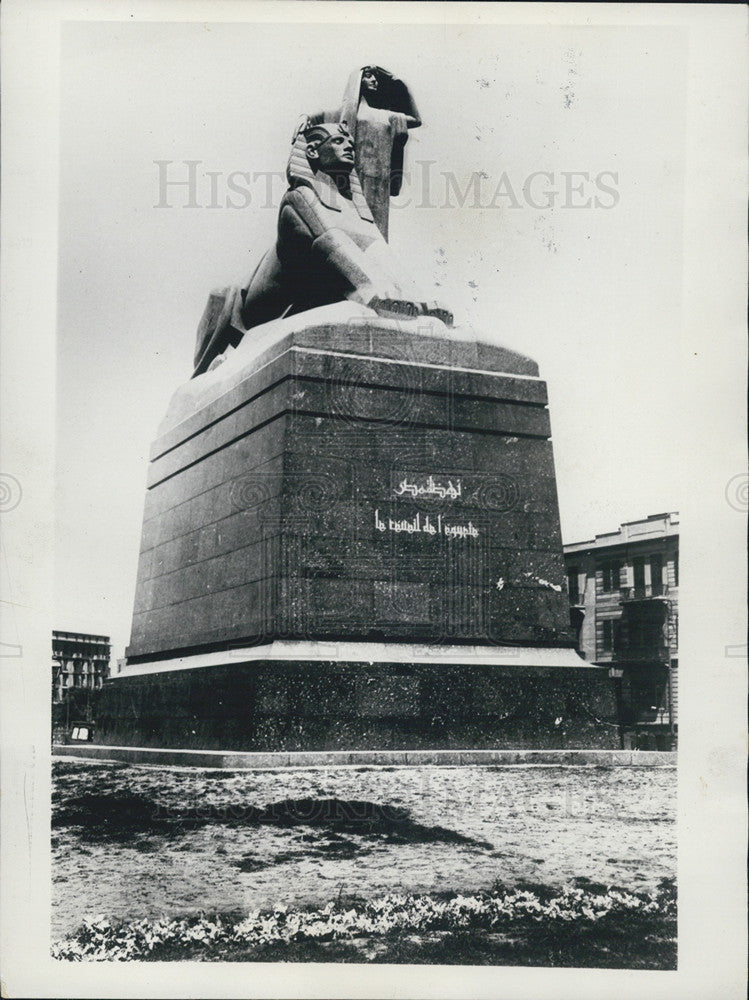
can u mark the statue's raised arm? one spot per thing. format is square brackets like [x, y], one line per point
[379, 110]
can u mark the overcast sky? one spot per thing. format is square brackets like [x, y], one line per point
[594, 293]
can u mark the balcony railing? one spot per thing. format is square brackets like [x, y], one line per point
[645, 592]
[94, 657]
[657, 651]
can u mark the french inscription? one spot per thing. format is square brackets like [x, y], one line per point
[425, 525]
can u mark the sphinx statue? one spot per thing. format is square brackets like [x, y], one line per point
[328, 249]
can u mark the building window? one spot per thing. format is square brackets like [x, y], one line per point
[611, 572]
[646, 640]
[656, 574]
[638, 567]
[573, 585]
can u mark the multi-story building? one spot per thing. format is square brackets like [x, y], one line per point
[79, 662]
[624, 610]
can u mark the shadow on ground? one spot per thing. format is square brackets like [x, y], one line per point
[117, 816]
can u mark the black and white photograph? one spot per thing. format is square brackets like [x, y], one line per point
[374, 478]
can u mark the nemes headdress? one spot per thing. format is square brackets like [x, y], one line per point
[299, 170]
[315, 135]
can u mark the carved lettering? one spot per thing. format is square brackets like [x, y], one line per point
[419, 525]
[428, 488]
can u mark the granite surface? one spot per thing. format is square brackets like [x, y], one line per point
[271, 705]
[354, 481]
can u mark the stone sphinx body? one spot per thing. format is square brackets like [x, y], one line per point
[328, 249]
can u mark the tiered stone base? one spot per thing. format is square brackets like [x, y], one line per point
[276, 701]
[363, 485]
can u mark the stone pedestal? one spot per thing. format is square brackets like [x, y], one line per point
[352, 481]
[296, 695]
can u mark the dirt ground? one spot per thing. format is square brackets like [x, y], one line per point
[131, 842]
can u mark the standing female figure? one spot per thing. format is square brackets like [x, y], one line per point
[379, 111]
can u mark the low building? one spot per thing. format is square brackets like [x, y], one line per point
[624, 610]
[80, 662]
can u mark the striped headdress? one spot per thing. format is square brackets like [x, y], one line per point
[299, 171]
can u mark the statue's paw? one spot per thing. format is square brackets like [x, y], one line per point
[438, 311]
[394, 307]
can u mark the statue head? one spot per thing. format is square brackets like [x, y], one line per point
[326, 148]
[380, 89]
[330, 148]
[370, 81]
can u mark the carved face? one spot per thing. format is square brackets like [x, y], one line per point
[369, 81]
[333, 153]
